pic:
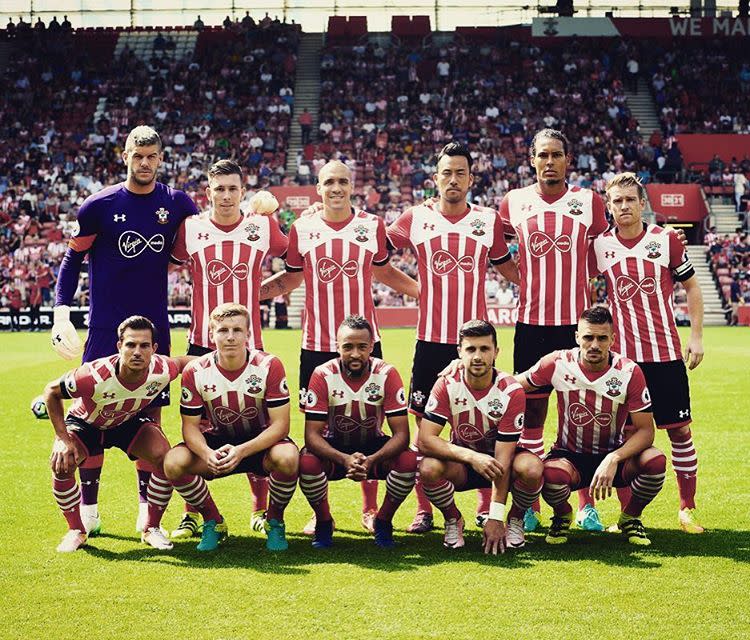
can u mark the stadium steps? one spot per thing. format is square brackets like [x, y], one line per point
[642, 106]
[306, 94]
[726, 219]
[713, 311]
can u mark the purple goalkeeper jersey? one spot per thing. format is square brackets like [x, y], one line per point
[128, 260]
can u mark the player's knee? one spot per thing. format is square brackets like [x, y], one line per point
[652, 461]
[285, 458]
[680, 434]
[528, 467]
[310, 465]
[406, 462]
[431, 470]
[556, 473]
[175, 462]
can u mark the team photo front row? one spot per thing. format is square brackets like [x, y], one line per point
[235, 410]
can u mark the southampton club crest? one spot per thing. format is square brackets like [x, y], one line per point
[373, 392]
[254, 384]
[477, 227]
[360, 232]
[152, 388]
[162, 216]
[418, 398]
[495, 409]
[613, 387]
[654, 249]
[252, 232]
[576, 207]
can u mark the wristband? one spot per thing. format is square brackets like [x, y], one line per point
[61, 313]
[497, 511]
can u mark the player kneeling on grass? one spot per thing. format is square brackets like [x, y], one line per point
[347, 401]
[596, 390]
[110, 395]
[485, 409]
[244, 397]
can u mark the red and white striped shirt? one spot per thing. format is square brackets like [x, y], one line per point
[478, 418]
[337, 259]
[640, 275]
[105, 402]
[592, 406]
[452, 254]
[226, 266]
[553, 241]
[354, 409]
[235, 402]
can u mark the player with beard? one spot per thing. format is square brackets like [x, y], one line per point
[485, 410]
[641, 262]
[348, 399]
[127, 231]
[336, 250]
[454, 242]
[225, 251]
[597, 390]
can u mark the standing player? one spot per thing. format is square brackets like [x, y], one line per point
[641, 263]
[596, 392]
[110, 397]
[225, 251]
[347, 401]
[336, 252]
[453, 242]
[554, 224]
[245, 399]
[127, 230]
[485, 409]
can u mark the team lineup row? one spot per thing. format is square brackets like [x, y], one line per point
[131, 230]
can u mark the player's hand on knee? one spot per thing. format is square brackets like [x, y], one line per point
[263, 203]
[493, 537]
[64, 456]
[65, 340]
[487, 466]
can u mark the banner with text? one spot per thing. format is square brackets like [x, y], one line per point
[677, 202]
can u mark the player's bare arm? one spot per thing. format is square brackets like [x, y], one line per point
[66, 451]
[493, 535]
[641, 438]
[396, 279]
[509, 271]
[399, 442]
[281, 283]
[694, 349]
[433, 446]
[182, 361]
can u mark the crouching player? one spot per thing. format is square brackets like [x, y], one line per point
[246, 400]
[347, 401]
[485, 409]
[596, 390]
[110, 396]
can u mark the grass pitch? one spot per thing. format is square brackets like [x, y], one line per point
[597, 586]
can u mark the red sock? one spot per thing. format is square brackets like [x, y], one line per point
[423, 504]
[369, 495]
[685, 465]
[68, 497]
[159, 491]
[259, 489]
[584, 498]
[282, 488]
[484, 497]
[623, 495]
[313, 483]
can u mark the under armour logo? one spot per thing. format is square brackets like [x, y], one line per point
[626, 287]
[108, 396]
[540, 244]
[345, 424]
[337, 393]
[443, 263]
[461, 401]
[132, 244]
[204, 236]
[428, 227]
[685, 413]
[314, 236]
[218, 271]
[329, 270]
[209, 388]
[228, 416]
[119, 218]
[609, 254]
[569, 378]
[581, 416]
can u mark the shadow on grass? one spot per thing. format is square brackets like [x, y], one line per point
[413, 552]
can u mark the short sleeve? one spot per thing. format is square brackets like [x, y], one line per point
[499, 250]
[540, 375]
[394, 401]
[174, 368]
[191, 402]
[504, 213]
[316, 400]
[399, 233]
[277, 391]
[639, 397]
[179, 248]
[599, 222]
[438, 407]
[88, 226]
[511, 424]
[185, 205]
[293, 257]
[679, 262]
[278, 242]
[382, 254]
[78, 383]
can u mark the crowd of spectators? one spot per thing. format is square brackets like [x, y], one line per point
[729, 259]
